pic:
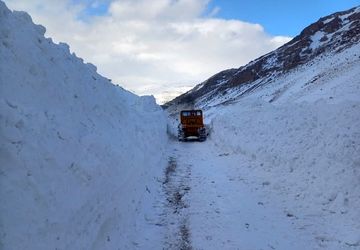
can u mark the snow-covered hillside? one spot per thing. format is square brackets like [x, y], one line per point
[78, 155]
[331, 34]
[301, 135]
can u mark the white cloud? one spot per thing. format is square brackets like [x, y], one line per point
[153, 47]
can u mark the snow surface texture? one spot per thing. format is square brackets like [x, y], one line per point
[78, 155]
[225, 209]
[292, 146]
[301, 134]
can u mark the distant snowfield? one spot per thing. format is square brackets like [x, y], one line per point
[88, 165]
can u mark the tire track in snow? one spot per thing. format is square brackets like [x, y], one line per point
[176, 187]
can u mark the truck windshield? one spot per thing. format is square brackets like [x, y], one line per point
[191, 113]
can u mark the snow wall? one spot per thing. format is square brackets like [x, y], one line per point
[78, 155]
[304, 147]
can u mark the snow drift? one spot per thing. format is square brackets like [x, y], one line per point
[78, 155]
[301, 135]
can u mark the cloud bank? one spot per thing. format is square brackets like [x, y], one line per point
[159, 47]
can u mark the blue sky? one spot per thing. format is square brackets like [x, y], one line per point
[93, 7]
[280, 17]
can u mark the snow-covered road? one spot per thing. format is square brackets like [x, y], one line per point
[85, 164]
[225, 210]
[281, 167]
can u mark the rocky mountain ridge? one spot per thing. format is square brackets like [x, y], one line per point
[330, 34]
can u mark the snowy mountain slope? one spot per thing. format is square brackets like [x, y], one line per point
[296, 142]
[329, 77]
[329, 35]
[78, 155]
[301, 135]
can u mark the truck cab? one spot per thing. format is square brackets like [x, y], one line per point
[191, 125]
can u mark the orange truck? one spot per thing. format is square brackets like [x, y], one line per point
[191, 125]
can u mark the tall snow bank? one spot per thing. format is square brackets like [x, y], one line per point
[312, 142]
[301, 134]
[78, 155]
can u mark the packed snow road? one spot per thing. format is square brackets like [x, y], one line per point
[214, 206]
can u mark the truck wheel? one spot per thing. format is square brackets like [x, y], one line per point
[202, 134]
[181, 135]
